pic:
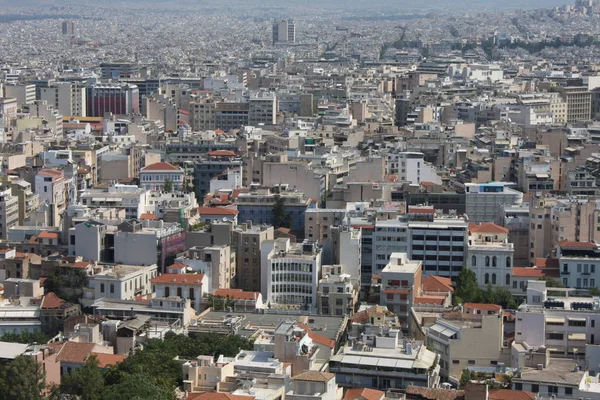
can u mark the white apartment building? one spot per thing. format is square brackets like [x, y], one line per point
[9, 211]
[411, 167]
[290, 272]
[489, 254]
[483, 198]
[579, 264]
[122, 282]
[562, 324]
[400, 283]
[25, 94]
[190, 287]
[153, 177]
[132, 199]
[262, 109]
[70, 99]
[52, 187]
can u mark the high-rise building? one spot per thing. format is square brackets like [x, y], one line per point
[68, 28]
[9, 211]
[25, 94]
[68, 98]
[119, 99]
[284, 31]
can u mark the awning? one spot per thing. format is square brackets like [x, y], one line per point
[578, 319]
[555, 320]
[351, 360]
[98, 199]
[114, 199]
[577, 336]
[372, 361]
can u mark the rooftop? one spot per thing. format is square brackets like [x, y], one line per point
[558, 371]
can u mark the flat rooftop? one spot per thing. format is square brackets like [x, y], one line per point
[559, 371]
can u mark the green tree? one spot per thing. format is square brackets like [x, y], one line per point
[551, 282]
[594, 291]
[22, 379]
[465, 378]
[139, 386]
[466, 290]
[168, 185]
[25, 337]
[67, 283]
[86, 382]
[499, 295]
[281, 219]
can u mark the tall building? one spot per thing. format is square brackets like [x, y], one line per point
[68, 28]
[284, 31]
[68, 98]
[9, 211]
[25, 94]
[247, 241]
[262, 109]
[483, 198]
[119, 99]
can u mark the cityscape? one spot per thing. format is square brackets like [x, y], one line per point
[300, 200]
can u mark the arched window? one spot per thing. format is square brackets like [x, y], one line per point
[192, 296]
[508, 262]
[473, 261]
[493, 279]
[179, 292]
[487, 261]
[494, 261]
[487, 278]
[507, 280]
[167, 291]
[112, 288]
[102, 288]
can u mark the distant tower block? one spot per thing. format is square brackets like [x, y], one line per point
[284, 31]
[68, 28]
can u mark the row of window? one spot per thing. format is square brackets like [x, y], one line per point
[493, 280]
[493, 261]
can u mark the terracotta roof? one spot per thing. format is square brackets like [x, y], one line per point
[433, 283]
[51, 301]
[160, 166]
[180, 279]
[363, 393]
[418, 210]
[49, 235]
[222, 153]
[148, 217]
[217, 211]
[51, 172]
[81, 264]
[507, 394]
[434, 394]
[283, 230]
[314, 376]
[237, 294]
[2, 251]
[487, 227]
[532, 272]
[547, 262]
[322, 340]
[177, 266]
[106, 360]
[363, 316]
[216, 396]
[437, 300]
[75, 352]
[483, 306]
[577, 245]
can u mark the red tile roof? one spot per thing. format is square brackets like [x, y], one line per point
[49, 235]
[177, 266]
[507, 394]
[81, 264]
[237, 294]
[51, 301]
[222, 153]
[423, 393]
[532, 272]
[217, 211]
[483, 306]
[419, 210]
[51, 172]
[75, 352]
[322, 340]
[546, 262]
[578, 245]
[363, 393]
[180, 279]
[160, 166]
[433, 283]
[148, 217]
[487, 227]
[106, 360]
[437, 300]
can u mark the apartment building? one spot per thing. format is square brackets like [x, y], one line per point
[578, 262]
[122, 282]
[579, 102]
[25, 94]
[9, 211]
[247, 241]
[118, 99]
[216, 262]
[481, 199]
[411, 167]
[52, 187]
[154, 176]
[190, 287]
[69, 98]
[338, 291]
[132, 199]
[290, 272]
[203, 114]
[490, 255]
[216, 163]
[400, 285]
[262, 109]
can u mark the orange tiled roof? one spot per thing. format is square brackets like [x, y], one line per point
[106, 360]
[433, 283]
[507, 394]
[217, 211]
[237, 294]
[363, 393]
[577, 245]
[49, 235]
[75, 352]
[51, 301]
[425, 299]
[180, 279]
[322, 340]
[532, 272]
[483, 306]
[160, 166]
[487, 227]
[222, 153]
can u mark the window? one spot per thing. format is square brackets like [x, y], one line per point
[167, 291]
[471, 362]
[494, 261]
[535, 388]
[487, 261]
[179, 292]
[487, 278]
[507, 280]
[593, 322]
[577, 322]
[518, 386]
[568, 391]
[112, 288]
[473, 261]
[455, 362]
[493, 279]
[555, 336]
[191, 294]
[553, 389]
[102, 288]
[508, 262]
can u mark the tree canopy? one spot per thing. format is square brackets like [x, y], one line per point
[86, 382]
[21, 379]
[467, 291]
[281, 218]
